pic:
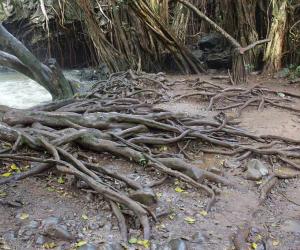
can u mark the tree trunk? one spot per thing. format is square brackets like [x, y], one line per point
[274, 50]
[23, 61]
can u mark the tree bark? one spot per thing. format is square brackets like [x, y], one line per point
[274, 50]
[22, 60]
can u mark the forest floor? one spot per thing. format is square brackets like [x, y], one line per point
[182, 222]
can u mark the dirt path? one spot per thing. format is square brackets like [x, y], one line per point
[182, 223]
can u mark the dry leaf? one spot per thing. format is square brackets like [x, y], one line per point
[7, 174]
[49, 245]
[203, 213]
[179, 190]
[85, 217]
[190, 220]
[24, 216]
[80, 243]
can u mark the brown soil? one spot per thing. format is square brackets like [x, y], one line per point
[277, 220]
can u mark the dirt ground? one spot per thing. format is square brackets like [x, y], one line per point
[182, 220]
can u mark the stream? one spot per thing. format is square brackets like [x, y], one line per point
[18, 91]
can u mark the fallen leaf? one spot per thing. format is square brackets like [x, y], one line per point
[61, 180]
[159, 195]
[163, 148]
[24, 216]
[171, 216]
[190, 220]
[203, 213]
[49, 245]
[144, 243]
[275, 243]
[254, 245]
[179, 190]
[3, 194]
[85, 217]
[133, 240]
[80, 243]
[50, 189]
[7, 174]
[15, 168]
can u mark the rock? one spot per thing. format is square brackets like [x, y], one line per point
[145, 196]
[219, 60]
[255, 170]
[88, 247]
[53, 229]
[58, 232]
[199, 237]
[33, 224]
[198, 54]
[9, 236]
[282, 73]
[50, 220]
[232, 164]
[40, 240]
[210, 41]
[112, 246]
[176, 244]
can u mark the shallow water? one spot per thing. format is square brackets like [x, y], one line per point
[18, 91]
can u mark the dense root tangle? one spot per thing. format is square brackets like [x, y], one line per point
[118, 117]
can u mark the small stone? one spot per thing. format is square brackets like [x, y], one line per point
[50, 220]
[58, 231]
[88, 247]
[113, 246]
[33, 224]
[40, 240]
[9, 236]
[255, 170]
[232, 164]
[145, 196]
[177, 244]
[199, 237]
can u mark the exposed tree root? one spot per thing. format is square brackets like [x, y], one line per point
[225, 98]
[110, 120]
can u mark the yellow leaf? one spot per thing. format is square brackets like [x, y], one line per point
[179, 190]
[275, 243]
[84, 217]
[190, 220]
[203, 213]
[61, 180]
[159, 195]
[254, 245]
[7, 174]
[49, 245]
[14, 167]
[163, 148]
[24, 216]
[144, 243]
[172, 216]
[133, 240]
[80, 243]
[258, 237]
[3, 194]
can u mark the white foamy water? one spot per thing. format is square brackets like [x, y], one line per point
[18, 91]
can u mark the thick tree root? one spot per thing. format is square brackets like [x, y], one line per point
[111, 121]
